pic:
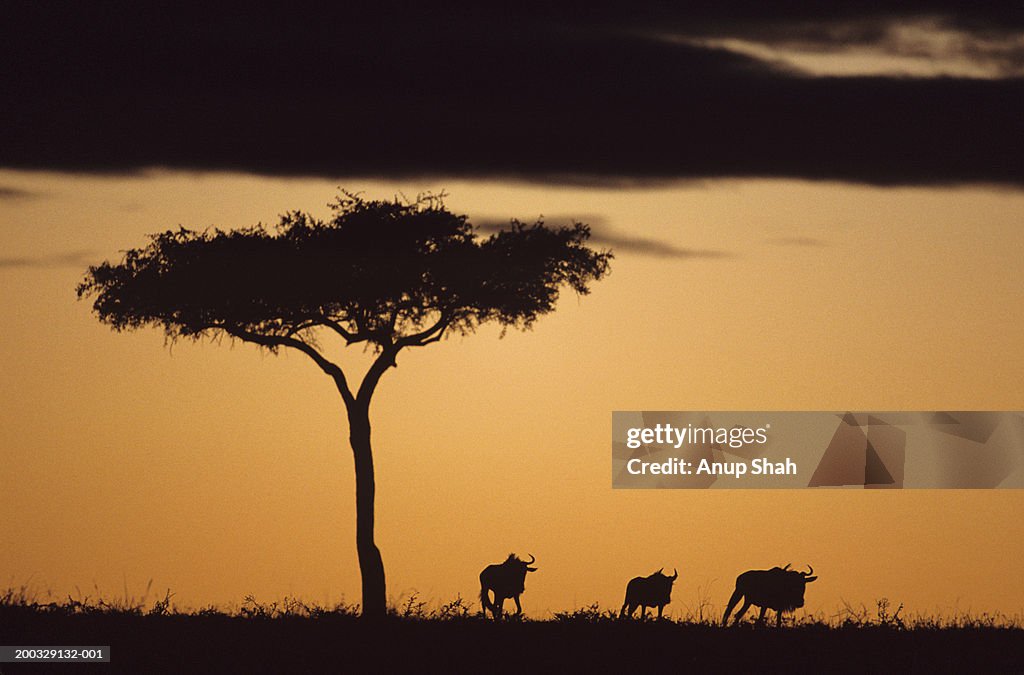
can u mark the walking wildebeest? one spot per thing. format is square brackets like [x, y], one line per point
[779, 588]
[644, 592]
[507, 580]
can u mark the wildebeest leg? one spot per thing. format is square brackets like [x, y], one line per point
[485, 596]
[660, 607]
[519, 608]
[743, 610]
[643, 612]
[760, 619]
[732, 603]
[499, 605]
[778, 618]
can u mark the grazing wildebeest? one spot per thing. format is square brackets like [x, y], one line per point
[779, 588]
[644, 592]
[507, 580]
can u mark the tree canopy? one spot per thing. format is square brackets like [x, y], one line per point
[389, 273]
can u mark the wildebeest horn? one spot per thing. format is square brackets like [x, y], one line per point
[807, 574]
[787, 566]
[675, 574]
[531, 560]
[661, 570]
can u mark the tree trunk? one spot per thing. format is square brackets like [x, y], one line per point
[370, 564]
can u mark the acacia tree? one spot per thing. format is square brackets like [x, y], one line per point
[389, 275]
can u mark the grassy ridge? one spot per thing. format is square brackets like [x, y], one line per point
[292, 636]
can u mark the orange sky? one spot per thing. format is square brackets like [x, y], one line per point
[219, 471]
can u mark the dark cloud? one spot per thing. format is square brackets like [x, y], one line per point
[990, 50]
[537, 94]
[829, 24]
[605, 182]
[12, 193]
[80, 259]
[601, 236]
[655, 248]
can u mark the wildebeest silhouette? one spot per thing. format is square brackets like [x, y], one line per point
[506, 580]
[651, 591]
[779, 588]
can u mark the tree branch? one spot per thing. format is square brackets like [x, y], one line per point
[294, 330]
[436, 338]
[349, 336]
[427, 336]
[385, 360]
[272, 341]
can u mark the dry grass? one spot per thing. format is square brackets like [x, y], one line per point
[411, 607]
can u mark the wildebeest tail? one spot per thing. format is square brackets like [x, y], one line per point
[485, 599]
[736, 595]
